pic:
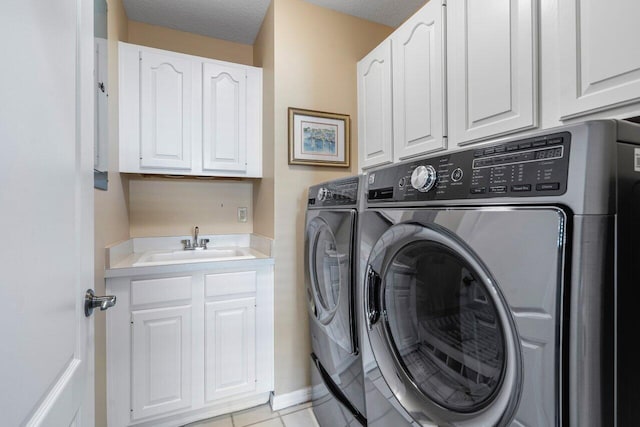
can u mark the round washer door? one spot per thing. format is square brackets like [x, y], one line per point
[440, 329]
[328, 274]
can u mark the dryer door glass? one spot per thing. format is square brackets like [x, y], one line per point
[444, 326]
[326, 269]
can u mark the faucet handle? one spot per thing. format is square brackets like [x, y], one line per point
[186, 243]
[203, 243]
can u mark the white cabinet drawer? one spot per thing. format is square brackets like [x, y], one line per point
[230, 283]
[153, 291]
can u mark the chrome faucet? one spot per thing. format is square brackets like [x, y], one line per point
[202, 244]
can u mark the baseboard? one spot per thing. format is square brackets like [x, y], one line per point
[285, 400]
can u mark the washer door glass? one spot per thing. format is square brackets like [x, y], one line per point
[444, 326]
[326, 268]
[440, 328]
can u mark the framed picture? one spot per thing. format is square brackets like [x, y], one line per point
[317, 138]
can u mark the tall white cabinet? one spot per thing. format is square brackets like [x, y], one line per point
[186, 115]
[492, 68]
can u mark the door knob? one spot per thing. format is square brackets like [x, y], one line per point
[91, 301]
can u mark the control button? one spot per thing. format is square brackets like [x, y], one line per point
[512, 147]
[478, 190]
[553, 141]
[478, 153]
[423, 178]
[539, 143]
[524, 145]
[548, 186]
[324, 194]
[456, 175]
[500, 149]
[521, 187]
[401, 182]
[498, 189]
[489, 150]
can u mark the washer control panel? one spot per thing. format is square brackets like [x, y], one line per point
[342, 192]
[525, 168]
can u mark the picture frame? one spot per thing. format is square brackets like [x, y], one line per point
[318, 138]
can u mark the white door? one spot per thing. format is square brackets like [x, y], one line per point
[418, 84]
[375, 132]
[224, 118]
[492, 68]
[165, 111]
[46, 201]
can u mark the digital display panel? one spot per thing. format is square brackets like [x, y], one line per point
[551, 153]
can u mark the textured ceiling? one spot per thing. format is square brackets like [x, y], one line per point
[240, 20]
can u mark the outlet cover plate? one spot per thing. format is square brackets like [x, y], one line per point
[242, 214]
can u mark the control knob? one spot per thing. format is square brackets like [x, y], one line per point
[423, 178]
[324, 194]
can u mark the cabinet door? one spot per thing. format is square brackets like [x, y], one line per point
[161, 361]
[375, 134]
[224, 118]
[418, 84]
[599, 55]
[230, 347]
[492, 68]
[165, 111]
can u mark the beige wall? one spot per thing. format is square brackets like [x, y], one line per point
[192, 44]
[111, 215]
[196, 204]
[314, 69]
[169, 207]
[263, 191]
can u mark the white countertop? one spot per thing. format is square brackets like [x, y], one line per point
[122, 257]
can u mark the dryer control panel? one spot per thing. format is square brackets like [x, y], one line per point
[341, 192]
[525, 168]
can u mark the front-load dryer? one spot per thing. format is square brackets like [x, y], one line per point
[490, 279]
[330, 247]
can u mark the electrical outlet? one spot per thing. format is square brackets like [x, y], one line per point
[242, 214]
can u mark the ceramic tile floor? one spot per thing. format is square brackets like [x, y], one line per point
[263, 416]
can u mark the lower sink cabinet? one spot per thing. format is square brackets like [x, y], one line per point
[183, 347]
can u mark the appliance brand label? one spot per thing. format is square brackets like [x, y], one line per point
[636, 159]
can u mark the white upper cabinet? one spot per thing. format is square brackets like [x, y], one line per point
[187, 115]
[492, 68]
[599, 55]
[375, 133]
[166, 119]
[224, 118]
[418, 84]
